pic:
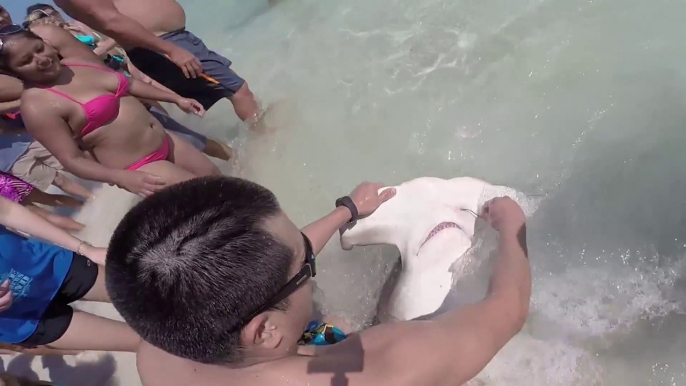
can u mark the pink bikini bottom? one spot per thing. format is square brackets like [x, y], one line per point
[160, 154]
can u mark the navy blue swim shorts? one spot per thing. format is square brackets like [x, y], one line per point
[225, 82]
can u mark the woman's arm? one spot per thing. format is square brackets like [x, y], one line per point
[15, 216]
[140, 89]
[145, 91]
[65, 43]
[10, 93]
[52, 131]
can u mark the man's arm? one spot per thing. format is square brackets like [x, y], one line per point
[366, 198]
[453, 348]
[102, 15]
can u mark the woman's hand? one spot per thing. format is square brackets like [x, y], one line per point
[191, 106]
[96, 255]
[5, 296]
[140, 183]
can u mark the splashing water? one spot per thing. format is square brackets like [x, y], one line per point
[578, 101]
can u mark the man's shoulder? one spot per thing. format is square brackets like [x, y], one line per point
[157, 368]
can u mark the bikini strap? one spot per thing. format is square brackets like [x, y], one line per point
[89, 65]
[123, 81]
[60, 93]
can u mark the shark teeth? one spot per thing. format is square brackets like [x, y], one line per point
[442, 226]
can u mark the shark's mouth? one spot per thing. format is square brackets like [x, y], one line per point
[442, 226]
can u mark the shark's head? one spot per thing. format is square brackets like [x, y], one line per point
[431, 221]
[418, 208]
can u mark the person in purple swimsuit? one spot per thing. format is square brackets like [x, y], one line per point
[17, 190]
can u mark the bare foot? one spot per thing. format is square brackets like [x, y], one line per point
[219, 150]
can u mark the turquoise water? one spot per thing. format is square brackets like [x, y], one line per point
[581, 102]
[578, 103]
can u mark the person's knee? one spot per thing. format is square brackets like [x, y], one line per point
[243, 93]
[209, 169]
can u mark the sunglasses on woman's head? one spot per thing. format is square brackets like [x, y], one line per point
[38, 14]
[308, 270]
[9, 29]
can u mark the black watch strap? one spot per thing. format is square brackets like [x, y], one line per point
[348, 203]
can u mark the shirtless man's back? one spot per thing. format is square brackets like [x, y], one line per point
[235, 300]
[157, 16]
[154, 35]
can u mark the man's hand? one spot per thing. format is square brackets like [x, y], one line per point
[189, 64]
[367, 198]
[504, 214]
[5, 296]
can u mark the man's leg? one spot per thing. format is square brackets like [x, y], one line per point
[245, 104]
[221, 81]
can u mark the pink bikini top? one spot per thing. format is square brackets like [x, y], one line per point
[102, 109]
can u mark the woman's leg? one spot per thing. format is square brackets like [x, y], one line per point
[170, 173]
[98, 293]
[90, 332]
[219, 150]
[63, 222]
[189, 158]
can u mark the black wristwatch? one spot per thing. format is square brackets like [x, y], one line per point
[348, 203]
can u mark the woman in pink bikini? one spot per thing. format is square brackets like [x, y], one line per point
[76, 104]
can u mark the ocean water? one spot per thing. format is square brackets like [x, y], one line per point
[579, 104]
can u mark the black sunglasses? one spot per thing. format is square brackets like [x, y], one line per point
[307, 271]
[9, 29]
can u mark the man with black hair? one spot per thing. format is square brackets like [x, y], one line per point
[214, 277]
